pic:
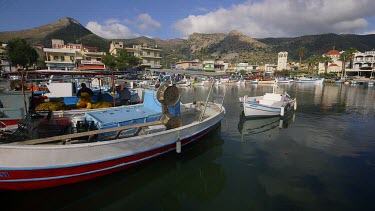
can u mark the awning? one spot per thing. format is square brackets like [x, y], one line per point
[91, 67]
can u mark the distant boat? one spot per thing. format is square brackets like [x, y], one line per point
[284, 80]
[241, 82]
[255, 81]
[266, 81]
[310, 80]
[183, 83]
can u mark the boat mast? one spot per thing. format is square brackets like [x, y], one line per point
[23, 92]
[205, 106]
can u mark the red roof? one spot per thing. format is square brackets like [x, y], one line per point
[333, 52]
[333, 65]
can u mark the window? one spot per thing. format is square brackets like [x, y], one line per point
[71, 58]
[55, 58]
[62, 58]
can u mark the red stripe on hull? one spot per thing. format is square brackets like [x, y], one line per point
[9, 122]
[84, 172]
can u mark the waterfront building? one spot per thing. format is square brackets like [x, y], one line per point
[231, 68]
[4, 63]
[115, 46]
[209, 66]
[189, 65]
[220, 66]
[72, 56]
[270, 68]
[363, 64]
[241, 66]
[282, 60]
[150, 57]
[332, 67]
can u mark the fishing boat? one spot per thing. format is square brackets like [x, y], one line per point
[269, 104]
[121, 138]
[14, 104]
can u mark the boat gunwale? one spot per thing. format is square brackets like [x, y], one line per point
[109, 142]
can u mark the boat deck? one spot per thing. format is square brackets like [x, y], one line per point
[190, 113]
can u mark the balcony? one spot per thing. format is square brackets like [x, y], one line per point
[151, 56]
[85, 62]
[95, 53]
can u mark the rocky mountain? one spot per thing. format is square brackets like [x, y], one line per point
[67, 29]
[319, 44]
[234, 46]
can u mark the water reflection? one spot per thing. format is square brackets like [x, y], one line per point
[255, 126]
[192, 175]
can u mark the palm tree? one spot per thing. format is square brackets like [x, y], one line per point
[351, 55]
[347, 56]
[313, 61]
[326, 60]
[301, 52]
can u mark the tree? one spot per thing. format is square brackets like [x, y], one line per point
[21, 53]
[313, 61]
[109, 61]
[301, 52]
[346, 56]
[123, 60]
[326, 60]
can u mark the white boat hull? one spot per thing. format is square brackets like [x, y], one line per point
[55, 165]
[260, 106]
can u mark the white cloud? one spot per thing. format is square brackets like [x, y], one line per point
[369, 32]
[143, 22]
[111, 30]
[275, 18]
[111, 21]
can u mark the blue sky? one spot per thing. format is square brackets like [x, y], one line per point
[179, 18]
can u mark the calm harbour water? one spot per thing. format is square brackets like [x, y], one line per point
[321, 157]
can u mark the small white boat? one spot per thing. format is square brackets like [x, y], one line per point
[270, 104]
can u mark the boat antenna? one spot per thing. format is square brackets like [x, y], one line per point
[114, 89]
[23, 92]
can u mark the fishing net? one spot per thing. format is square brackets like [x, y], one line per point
[39, 125]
